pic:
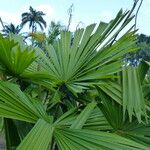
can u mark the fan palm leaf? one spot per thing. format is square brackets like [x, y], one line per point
[79, 62]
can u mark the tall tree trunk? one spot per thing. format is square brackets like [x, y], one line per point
[32, 33]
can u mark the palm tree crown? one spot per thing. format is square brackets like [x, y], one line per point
[11, 28]
[54, 31]
[34, 17]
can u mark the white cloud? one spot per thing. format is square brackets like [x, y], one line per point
[10, 17]
[106, 16]
[47, 9]
[75, 25]
[15, 17]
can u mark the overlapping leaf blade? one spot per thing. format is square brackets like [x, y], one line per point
[13, 58]
[137, 132]
[72, 139]
[133, 99]
[16, 105]
[74, 58]
[38, 138]
[82, 118]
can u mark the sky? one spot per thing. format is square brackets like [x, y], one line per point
[85, 11]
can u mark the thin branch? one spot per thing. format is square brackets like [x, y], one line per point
[136, 15]
[70, 10]
[79, 24]
[2, 23]
[132, 9]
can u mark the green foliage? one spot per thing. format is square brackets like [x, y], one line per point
[41, 133]
[54, 31]
[75, 64]
[8, 29]
[34, 18]
[76, 93]
[133, 99]
[13, 58]
[144, 50]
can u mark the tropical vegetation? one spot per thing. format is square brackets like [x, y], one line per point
[34, 18]
[78, 92]
[8, 29]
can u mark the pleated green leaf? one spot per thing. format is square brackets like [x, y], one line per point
[82, 118]
[73, 139]
[97, 121]
[13, 57]
[67, 118]
[39, 138]
[113, 89]
[133, 99]
[137, 132]
[15, 104]
[77, 60]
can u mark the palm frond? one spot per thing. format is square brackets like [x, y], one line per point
[133, 99]
[15, 104]
[88, 140]
[41, 135]
[13, 58]
[74, 59]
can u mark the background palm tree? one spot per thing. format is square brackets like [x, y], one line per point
[34, 18]
[143, 42]
[54, 31]
[11, 28]
[144, 45]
